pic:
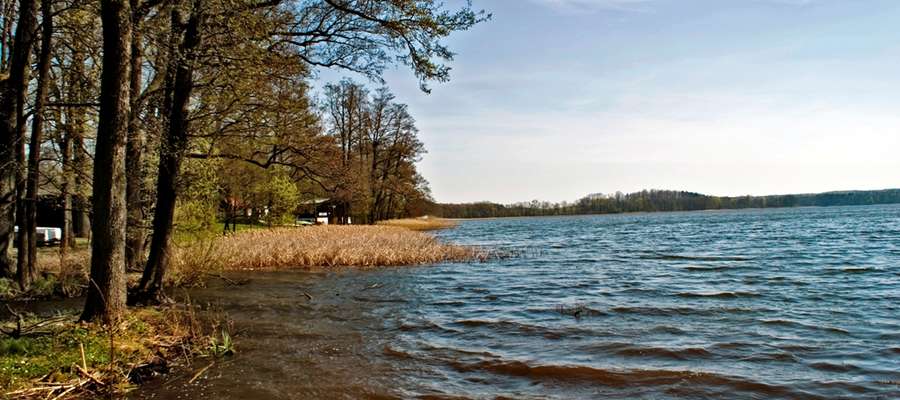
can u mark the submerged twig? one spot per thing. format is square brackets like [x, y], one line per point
[200, 372]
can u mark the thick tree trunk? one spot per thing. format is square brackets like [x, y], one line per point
[27, 274]
[180, 83]
[12, 129]
[106, 291]
[134, 154]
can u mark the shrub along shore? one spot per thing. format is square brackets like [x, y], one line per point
[40, 357]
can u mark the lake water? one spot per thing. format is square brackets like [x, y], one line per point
[756, 304]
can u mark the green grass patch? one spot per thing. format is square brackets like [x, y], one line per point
[52, 354]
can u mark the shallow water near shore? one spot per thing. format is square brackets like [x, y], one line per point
[777, 303]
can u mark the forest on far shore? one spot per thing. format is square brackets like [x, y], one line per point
[663, 200]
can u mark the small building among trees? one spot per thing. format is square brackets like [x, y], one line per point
[324, 211]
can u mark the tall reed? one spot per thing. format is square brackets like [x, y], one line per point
[321, 246]
[420, 224]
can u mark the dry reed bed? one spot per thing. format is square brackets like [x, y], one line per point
[420, 224]
[323, 246]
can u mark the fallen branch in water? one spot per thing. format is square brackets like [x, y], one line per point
[227, 280]
[33, 329]
[200, 372]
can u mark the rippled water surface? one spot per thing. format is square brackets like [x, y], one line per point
[789, 303]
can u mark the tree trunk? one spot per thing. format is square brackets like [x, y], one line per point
[75, 124]
[7, 184]
[64, 190]
[27, 274]
[6, 32]
[106, 291]
[7, 181]
[12, 130]
[179, 84]
[81, 221]
[134, 154]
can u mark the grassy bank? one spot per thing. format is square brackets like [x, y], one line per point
[59, 276]
[56, 357]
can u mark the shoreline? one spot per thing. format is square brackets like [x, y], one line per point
[303, 249]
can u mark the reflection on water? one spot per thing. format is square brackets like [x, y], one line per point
[798, 303]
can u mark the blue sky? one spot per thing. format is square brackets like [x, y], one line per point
[555, 99]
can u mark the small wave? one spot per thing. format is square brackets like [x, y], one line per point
[578, 310]
[719, 295]
[889, 336]
[626, 349]
[769, 357]
[450, 303]
[667, 329]
[683, 257]
[620, 378]
[705, 269]
[673, 311]
[390, 351]
[425, 326]
[377, 300]
[832, 367]
[454, 353]
[850, 270]
[859, 269]
[734, 345]
[795, 324]
[436, 396]
[528, 329]
[657, 311]
[796, 348]
[688, 353]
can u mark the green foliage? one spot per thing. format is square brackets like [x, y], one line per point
[67, 284]
[27, 358]
[144, 335]
[221, 347]
[45, 286]
[283, 196]
[8, 288]
[195, 216]
[198, 203]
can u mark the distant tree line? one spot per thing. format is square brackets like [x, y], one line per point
[662, 200]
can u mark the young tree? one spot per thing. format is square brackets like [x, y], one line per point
[186, 37]
[28, 270]
[12, 127]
